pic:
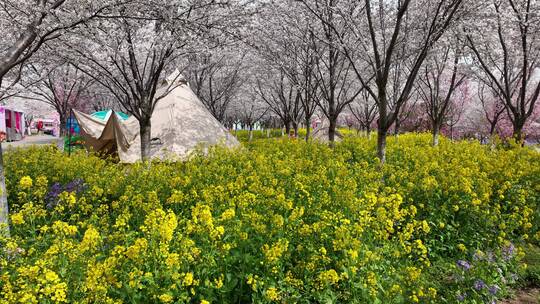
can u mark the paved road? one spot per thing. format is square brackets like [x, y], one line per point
[31, 141]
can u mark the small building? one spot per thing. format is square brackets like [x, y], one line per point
[12, 124]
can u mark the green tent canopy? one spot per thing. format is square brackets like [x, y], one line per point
[104, 115]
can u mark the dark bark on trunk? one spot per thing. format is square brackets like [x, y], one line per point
[287, 128]
[492, 128]
[518, 131]
[381, 145]
[295, 128]
[4, 207]
[250, 132]
[332, 132]
[308, 128]
[64, 129]
[146, 137]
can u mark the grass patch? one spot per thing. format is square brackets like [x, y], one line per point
[531, 276]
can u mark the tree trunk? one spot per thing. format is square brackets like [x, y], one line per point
[64, 130]
[492, 128]
[4, 208]
[332, 132]
[436, 131]
[146, 137]
[368, 132]
[308, 128]
[381, 144]
[518, 130]
[295, 128]
[250, 132]
[288, 128]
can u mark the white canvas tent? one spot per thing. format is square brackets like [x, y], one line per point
[180, 123]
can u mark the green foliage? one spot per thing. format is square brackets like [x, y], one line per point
[532, 260]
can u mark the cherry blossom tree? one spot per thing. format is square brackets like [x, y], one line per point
[364, 110]
[282, 98]
[100, 99]
[415, 118]
[390, 41]
[438, 80]
[507, 49]
[249, 109]
[334, 71]
[27, 25]
[283, 39]
[64, 88]
[215, 77]
[493, 107]
[457, 109]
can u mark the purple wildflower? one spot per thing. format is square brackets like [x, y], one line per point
[494, 289]
[508, 252]
[77, 185]
[461, 297]
[52, 195]
[464, 264]
[479, 285]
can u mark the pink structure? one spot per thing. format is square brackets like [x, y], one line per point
[12, 124]
[50, 123]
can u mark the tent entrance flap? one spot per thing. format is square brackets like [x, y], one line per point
[99, 136]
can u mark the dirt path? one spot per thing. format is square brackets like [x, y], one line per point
[526, 296]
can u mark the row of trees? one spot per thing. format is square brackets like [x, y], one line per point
[387, 64]
[380, 61]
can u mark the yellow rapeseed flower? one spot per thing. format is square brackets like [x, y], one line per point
[25, 183]
[274, 252]
[17, 218]
[166, 298]
[188, 279]
[272, 294]
[91, 240]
